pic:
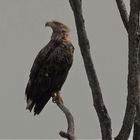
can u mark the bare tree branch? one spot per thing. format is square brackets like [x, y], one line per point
[123, 13]
[133, 73]
[105, 121]
[136, 132]
[70, 131]
[124, 16]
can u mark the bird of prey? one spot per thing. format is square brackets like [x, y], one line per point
[50, 69]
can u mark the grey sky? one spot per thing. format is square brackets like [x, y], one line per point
[23, 34]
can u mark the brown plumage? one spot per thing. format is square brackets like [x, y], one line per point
[50, 68]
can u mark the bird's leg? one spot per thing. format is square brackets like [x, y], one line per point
[56, 98]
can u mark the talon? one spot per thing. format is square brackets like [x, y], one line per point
[56, 98]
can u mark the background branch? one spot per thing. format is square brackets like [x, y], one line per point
[133, 74]
[105, 121]
[70, 131]
[123, 13]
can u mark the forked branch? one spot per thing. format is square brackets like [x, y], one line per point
[133, 74]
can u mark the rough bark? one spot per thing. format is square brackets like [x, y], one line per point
[136, 132]
[123, 13]
[70, 131]
[136, 4]
[104, 119]
[132, 99]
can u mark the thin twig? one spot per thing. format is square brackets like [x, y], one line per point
[105, 121]
[123, 13]
[70, 131]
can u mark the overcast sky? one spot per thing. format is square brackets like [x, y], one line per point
[23, 34]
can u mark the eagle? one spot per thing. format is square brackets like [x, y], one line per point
[50, 69]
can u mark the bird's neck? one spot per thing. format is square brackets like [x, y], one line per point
[57, 36]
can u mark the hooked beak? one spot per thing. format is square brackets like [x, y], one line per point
[48, 24]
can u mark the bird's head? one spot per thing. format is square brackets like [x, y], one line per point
[57, 26]
[60, 31]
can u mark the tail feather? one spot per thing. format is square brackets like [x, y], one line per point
[40, 103]
[36, 99]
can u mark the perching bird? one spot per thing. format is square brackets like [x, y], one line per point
[50, 69]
